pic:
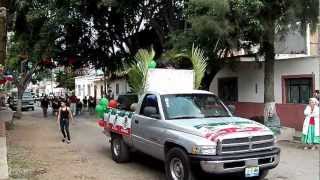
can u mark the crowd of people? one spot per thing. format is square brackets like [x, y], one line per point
[76, 105]
[65, 109]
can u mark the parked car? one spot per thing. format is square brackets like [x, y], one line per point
[27, 101]
[188, 129]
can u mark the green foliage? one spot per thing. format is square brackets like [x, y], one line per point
[256, 17]
[137, 75]
[199, 62]
[66, 79]
[209, 25]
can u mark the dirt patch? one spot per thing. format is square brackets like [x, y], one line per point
[20, 166]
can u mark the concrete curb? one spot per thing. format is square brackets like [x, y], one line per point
[4, 174]
[6, 115]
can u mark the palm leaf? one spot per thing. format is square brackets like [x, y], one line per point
[137, 75]
[199, 62]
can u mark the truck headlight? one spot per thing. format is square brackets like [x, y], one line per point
[204, 150]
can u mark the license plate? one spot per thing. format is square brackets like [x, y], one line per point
[252, 171]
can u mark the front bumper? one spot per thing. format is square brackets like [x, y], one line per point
[225, 164]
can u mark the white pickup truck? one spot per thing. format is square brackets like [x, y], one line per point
[191, 130]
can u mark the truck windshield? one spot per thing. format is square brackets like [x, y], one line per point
[188, 106]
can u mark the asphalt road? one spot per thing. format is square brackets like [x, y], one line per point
[89, 156]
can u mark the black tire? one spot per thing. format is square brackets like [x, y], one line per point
[178, 158]
[120, 151]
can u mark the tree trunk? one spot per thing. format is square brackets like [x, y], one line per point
[19, 102]
[208, 76]
[270, 106]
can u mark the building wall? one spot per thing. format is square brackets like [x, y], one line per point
[251, 77]
[300, 66]
[292, 43]
[314, 43]
[97, 81]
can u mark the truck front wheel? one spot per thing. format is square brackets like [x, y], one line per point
[177, 165]
[120, 151]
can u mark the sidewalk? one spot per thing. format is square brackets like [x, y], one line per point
[5, 115]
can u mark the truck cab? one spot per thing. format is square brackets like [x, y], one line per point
[188, 129]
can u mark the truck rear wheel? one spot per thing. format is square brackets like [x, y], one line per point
[177, 165]
[120, 151]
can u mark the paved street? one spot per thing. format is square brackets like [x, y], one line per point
[36, 152]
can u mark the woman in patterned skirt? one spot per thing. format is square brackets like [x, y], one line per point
[310, 131]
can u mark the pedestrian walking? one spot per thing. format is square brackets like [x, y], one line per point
[44, 106]
[91, 105]
[78, 107]
[310, 131]
[64, 118]
[85, 102]
[73, 102]
[55, 106]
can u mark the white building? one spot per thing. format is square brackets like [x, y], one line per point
[296, 76]
[93, 85]
[294, 80]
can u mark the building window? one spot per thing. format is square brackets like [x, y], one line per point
[117, 89]
[298, 90]
[79, 90]
[228, 89]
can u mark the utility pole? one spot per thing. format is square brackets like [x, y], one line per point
[3, 34]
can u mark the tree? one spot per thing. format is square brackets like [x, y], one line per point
[224, 26]
[65, 79]
[211, 27]
[262, 21]
[31, 44]
[3, 30]
[118, 28]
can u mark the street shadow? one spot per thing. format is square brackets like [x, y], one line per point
[149, 162]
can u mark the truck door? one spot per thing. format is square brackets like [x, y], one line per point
[147, 126]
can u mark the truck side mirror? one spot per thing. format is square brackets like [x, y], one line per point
[152, 112]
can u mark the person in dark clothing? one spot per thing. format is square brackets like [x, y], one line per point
[64, 118]
[85, 102]
[78, 107]
[55, 106]
[44, 106]
[91, 104]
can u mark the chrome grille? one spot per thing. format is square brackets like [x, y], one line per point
[236, 140]
[246, 144]
[261, 138]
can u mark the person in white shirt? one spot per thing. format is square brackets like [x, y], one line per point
[310, 131]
